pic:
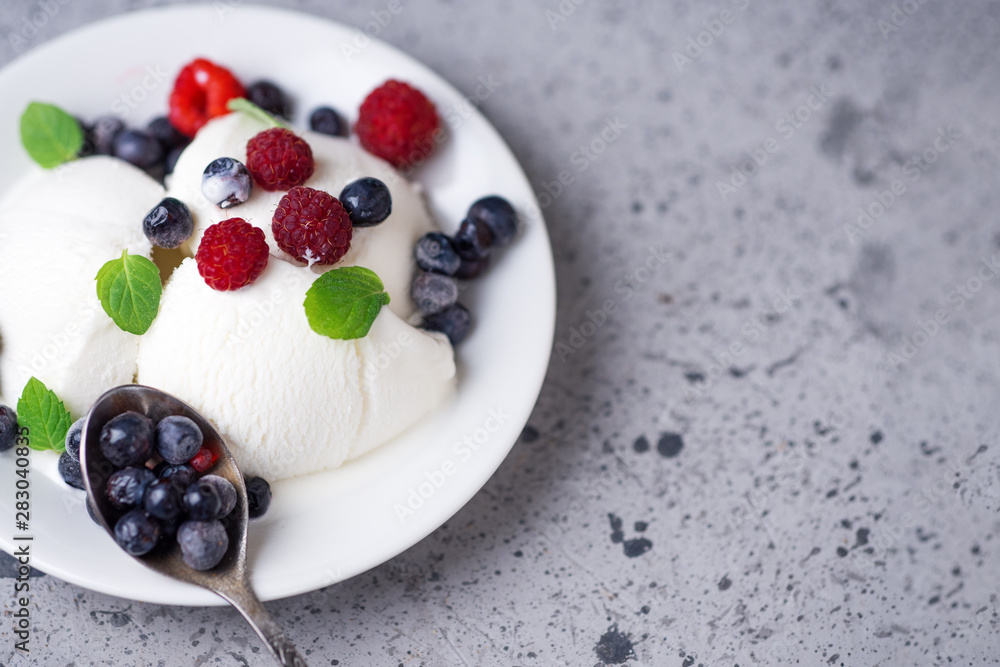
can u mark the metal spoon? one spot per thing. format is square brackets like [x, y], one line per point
[229, 579]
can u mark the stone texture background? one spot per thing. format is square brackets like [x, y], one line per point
[761, 457]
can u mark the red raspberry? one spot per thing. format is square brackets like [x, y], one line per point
[201, 93]
[312, 226]
[231, 255]
[398, 123]
[204, 459]
[279, 159]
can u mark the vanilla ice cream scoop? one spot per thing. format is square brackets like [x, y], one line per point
[290, 400]
[57, 229]
[386, 249]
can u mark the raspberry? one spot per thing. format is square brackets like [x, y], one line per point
[231, 255]
[201, 93]
[398, 124]
[312, 226]
[279, 159]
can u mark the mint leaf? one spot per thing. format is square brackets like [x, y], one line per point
[44, 414]
[254, 111]
[50, 135]
[343, 303]
[129, 289]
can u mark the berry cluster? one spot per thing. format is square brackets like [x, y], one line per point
[154, 148]
[162, 487]
[491, 222]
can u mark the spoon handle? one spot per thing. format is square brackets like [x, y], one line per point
[252, 609]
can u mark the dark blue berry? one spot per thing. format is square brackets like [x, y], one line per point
[139, 148]
[270, 98]
[73, 437]
[258, 496]
[433, 292]
[474, 239]
[454, 322]
[92, 512]
[169, 224]
[182, 475]
[70, 471]
[226, 182]
[472, 268]
[178, 439]
[170, 162]
[127, 440]
[162, 499]
[8, 428]
[126, 487]
[137, 533]
[203, 543]
[498, 215]
[168, 135]
[104, 133]
[211, 497]
[367, 201]
[434, 252]
[327, 121]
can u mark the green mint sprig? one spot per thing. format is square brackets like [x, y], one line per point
[50, 135]
[249, 108]
[129, 289]
[45, 415]
[343, 303]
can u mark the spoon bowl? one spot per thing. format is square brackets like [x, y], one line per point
[230, 578]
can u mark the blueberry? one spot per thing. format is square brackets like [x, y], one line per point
[258, 496]
[168, 135]
[137, 533]
[367, 201]
[139, 148]
[126, 487]
[168, 527]
[92, 512]
[70, 470]
[270, 98]
[472, 268]
[73, 437]
[178, 439]
[103, 134]
[162, 499]
[182, 475]
[498, 215]
[170, 162]
[434, 252]
[203, 543]
[226, 182]
[473, 239]
[169, 224]
[127, 440]
[327, 121]
[454, 322]
[8, 428]
[433, 292]
[211, 497]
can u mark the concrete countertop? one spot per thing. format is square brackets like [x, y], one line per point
[769, 431]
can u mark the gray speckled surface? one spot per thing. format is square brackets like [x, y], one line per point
[831, 503]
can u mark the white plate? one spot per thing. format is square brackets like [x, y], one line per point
[330, 526]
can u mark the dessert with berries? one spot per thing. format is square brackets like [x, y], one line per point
[288, 283]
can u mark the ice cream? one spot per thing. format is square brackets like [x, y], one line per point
[290, 401]
[57, 228]
[386, 249]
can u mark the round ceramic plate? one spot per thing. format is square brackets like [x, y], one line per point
[329, 526]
